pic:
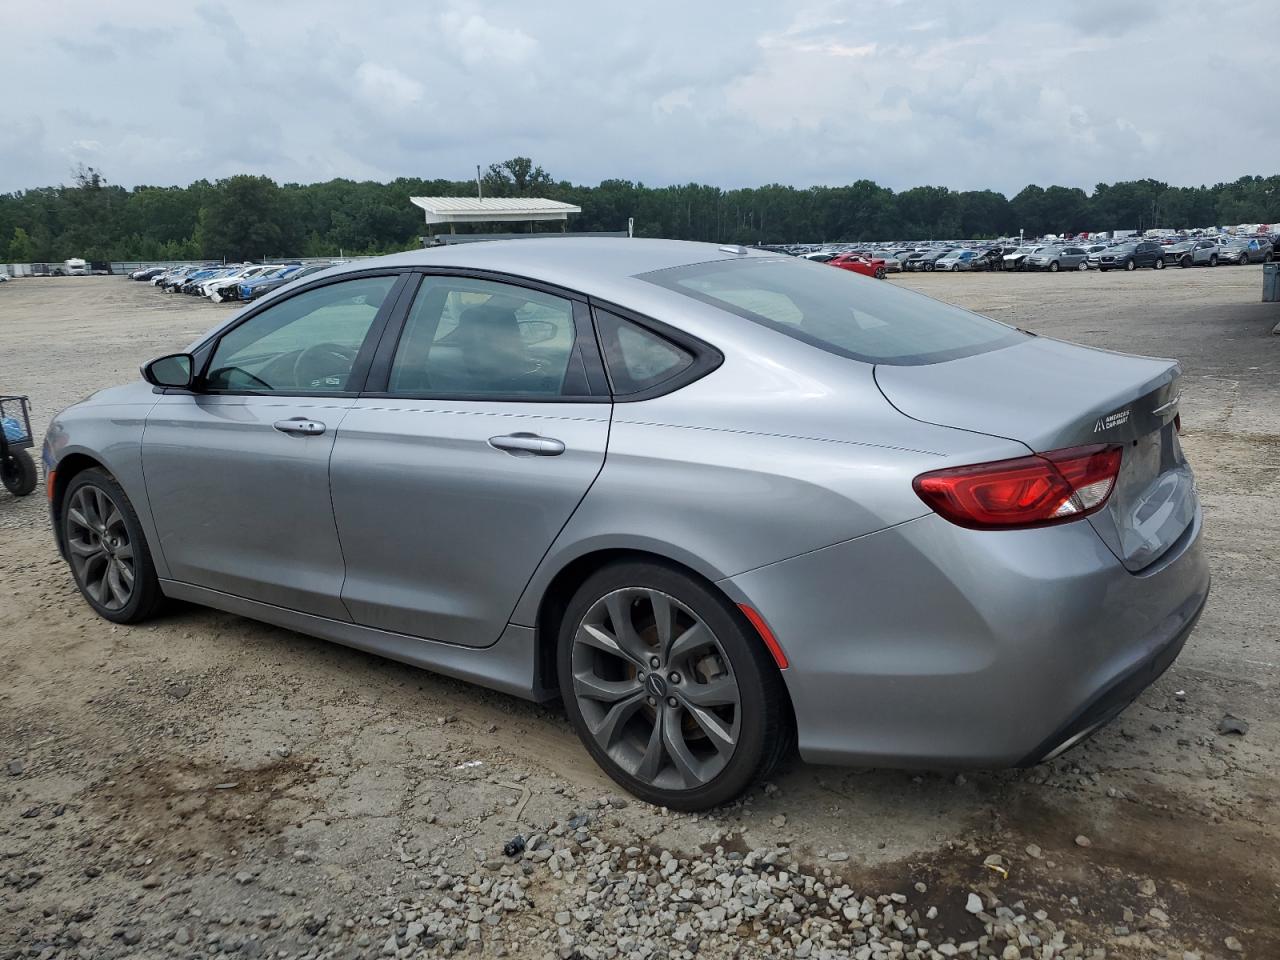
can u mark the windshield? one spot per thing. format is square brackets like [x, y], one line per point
[838, 311]
[1125, 248]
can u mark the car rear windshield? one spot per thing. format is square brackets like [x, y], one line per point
[837, 311]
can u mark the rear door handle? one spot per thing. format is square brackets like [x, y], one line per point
[299, 426]
[527, 445]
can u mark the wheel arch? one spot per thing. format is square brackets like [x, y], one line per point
[69, 467]
[560, 588]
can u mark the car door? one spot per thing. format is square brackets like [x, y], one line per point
[485, 423]
[237, 470]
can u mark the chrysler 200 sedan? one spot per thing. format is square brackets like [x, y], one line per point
[717, 500]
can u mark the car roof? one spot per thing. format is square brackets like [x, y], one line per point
[582, 263]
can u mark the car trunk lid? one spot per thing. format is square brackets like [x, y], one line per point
[1050, 395]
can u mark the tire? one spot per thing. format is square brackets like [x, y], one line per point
[1130, 265]
[1184, 262]
[880, 273]
[649, 739]
[1053, 266]
[930, 267]
[18, 472]
[1082, 266]
[1213, 259]
[100, 529]
[1159, 264]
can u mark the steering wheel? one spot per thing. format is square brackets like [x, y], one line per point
[320, 361]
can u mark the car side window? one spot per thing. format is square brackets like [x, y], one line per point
[638, 358]
[483, 339]
[305, 344]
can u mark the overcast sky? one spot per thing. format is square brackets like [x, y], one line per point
[967, 95]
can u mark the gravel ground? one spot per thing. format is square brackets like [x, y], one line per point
[205, 784]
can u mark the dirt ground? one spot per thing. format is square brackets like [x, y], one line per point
[164, 787]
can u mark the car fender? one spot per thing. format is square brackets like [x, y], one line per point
[108, 428]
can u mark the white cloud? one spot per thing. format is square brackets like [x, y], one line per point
[386, 87]
[479, 42]
[666, 91]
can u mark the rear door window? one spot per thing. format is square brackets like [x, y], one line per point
[838, 311]
[481, 339]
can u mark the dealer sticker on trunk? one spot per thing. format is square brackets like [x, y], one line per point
[1117, 419]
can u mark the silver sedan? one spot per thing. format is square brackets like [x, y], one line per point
[719, 501]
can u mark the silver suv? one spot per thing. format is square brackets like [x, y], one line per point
[1199, 253]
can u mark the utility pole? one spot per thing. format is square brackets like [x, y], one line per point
[479, 188]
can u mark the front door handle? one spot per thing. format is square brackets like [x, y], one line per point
[300, 427]
[527, 445]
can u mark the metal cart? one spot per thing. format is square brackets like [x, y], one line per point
[17, 469]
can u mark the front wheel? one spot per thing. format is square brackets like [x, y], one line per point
[1130, 265]
[18, 472]
[1184, 262]
[929, 267]
[107, 550]
[668, 687]
[1053, 267]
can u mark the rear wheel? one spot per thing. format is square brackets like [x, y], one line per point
[668, 688]
[1082, 265]
[880, 273]
[108, 553]
[1213, 259]
[18, 472]
[1159, 264]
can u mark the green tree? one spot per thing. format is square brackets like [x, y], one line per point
[21, 249]
[242, 220]
[517, 177]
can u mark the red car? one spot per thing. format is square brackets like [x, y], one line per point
[867, 266]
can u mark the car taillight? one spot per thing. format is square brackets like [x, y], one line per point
[1035, 491]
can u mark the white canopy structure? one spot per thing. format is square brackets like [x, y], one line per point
[455, 210]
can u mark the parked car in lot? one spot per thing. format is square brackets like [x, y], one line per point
[1054, 259]
[220, 288]
[928, 260]
[1015, 260]
[1246, 250]
[957, 260]
[1199, 253]
[697, 492]
[262, 285]
[867, 266]
[1128, 256]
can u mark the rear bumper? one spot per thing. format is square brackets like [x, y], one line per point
[930, 645]
[1110, 702]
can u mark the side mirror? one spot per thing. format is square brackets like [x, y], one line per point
[175, 370]
[536, 331]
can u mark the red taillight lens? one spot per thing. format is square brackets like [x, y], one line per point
[1033, 491]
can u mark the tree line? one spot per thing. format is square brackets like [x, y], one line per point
[251, 217]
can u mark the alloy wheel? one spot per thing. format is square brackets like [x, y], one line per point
[101, 552]
[655, 688]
